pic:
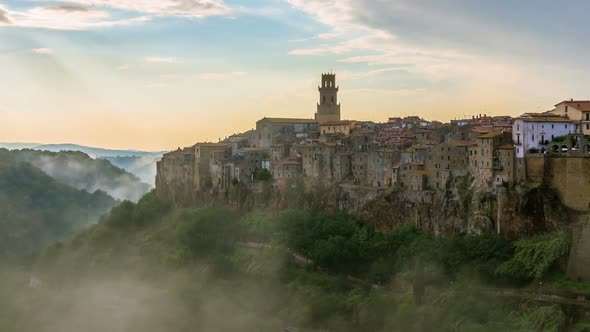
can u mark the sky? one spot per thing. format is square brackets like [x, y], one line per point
[162, 74]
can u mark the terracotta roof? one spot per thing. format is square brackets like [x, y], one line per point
[213, 145]
[287, 162]
[460, 143]
[543, 117]
[481, 130]
[336, 123]
[491, 135]
[584, 105]
[288, 120]
[507, 146]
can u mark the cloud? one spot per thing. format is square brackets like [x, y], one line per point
[43, 50]
[168, 76]
[355, 37]
[93, 14]
[186, 8]
[68, 18]
[123, 67]
[67, 9]
[4, 17]
[156, 59]
[220, 76]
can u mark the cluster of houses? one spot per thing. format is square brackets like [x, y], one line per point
[404, 153]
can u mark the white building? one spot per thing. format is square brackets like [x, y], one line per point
[532, 132]
[578, 111]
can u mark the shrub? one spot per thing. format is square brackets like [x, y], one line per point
[533, 257]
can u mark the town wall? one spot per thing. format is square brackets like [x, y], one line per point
[570, 177]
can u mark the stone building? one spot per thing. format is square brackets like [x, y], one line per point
[205, 156]
[505, 165]
[336, 127]
[175, 176]
[316, 159]
[359, 163]
[380, 167]
[447, 159]
[286, 169]
[411, 177]
[483, 156]
[273, 131]
[328, 109]
[342, 166]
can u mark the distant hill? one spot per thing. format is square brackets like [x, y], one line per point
[36, 209]
[79, 170]
[96, 152]
[140, 163]
[12, 146]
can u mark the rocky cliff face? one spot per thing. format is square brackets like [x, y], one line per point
[465, 207]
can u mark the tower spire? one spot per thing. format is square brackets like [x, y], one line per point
[328, 107]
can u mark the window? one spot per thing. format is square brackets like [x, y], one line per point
[566, 108]
[552, 126]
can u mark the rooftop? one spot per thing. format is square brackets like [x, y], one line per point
[582, 105]
[288, 120]
[491, 135]
[213, 145]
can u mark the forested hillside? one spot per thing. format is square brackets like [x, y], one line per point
[149, 267]
[36, 210]
[79, 170]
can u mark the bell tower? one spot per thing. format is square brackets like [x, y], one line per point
[328, 107]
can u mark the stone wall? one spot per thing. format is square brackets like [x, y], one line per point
[579, 261]
[535, 166]
[570, 177]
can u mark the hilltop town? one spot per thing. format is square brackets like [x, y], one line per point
[414, 158]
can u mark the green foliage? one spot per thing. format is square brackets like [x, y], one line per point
[80, 171]
[545, 318]
[533, 257]
[558, 139]
[258, 227]
[127, 214]
[262, 174]
[194, 257]
[36, 209]
[208, 230]
[343, 245]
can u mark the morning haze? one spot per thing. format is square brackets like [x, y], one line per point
[294, 166]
